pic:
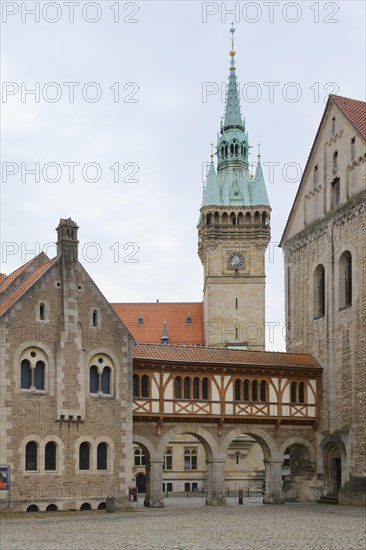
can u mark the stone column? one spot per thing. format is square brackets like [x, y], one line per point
[273, 482]
[216, 481]
[154, 483]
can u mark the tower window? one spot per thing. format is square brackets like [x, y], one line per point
[25, 374]
[50, 456]
[335, 190]
[42, 315]
[39, 375]
[333, 125]
[319, 291]
[31, 451]
[84, 456]
[102, 451]
[95, 318]
[353, 149]
[345, 280]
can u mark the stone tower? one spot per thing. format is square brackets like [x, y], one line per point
[233, 234]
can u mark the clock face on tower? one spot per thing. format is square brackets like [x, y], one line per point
[236, 260]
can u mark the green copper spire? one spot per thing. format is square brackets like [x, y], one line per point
[231, 184]
[232, 111]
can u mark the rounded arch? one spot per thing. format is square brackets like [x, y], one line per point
[208, 441]
[264, 439]
[298, 441]
[145, 445]
[329, 441]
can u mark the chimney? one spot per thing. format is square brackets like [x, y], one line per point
[67, 240]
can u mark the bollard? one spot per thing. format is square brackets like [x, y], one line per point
[240, 496]
[110, 504]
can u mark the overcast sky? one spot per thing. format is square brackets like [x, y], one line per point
[144, 101]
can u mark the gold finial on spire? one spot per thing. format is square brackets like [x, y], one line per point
[259, 151]
[232, 30]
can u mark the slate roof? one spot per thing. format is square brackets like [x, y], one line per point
[8, 299]
[153, 316]
[212, 356]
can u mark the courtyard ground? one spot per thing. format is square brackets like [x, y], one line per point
[185, 524]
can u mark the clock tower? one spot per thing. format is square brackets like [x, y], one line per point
[233, 234]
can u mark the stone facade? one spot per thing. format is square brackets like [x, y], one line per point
[325, 278]
[63, 325]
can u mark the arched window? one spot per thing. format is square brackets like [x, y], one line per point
[293, 392]
[102, 451]
[139, 457]
[168, 459]
[194, 459]
[335, 162]
[196, 388]
[246, 390]
[50, 456]
[39, 375]
[145, 386]
[178, 387]
[335, 193]
[301, 392]
[319, 291]
[232, 149]
[205, 388]
[25, 374]
[169, 487]
[263, 391]
[345, 280]
[31, 451]
[84, 456]
[254, 390]
[42, 312]
[93, 380]
[135, 385]
[106, 380]
[95, 318]
[237, 390]
[236, 149]
[187, 487]
[208, 219]
[257, 217]
[248, 218]
[187, 388]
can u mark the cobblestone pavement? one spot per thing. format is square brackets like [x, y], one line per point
[187, 524]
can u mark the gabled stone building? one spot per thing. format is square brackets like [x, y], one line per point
[66, 371]
[324, 245]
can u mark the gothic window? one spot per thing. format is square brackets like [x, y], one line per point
[84, 456]
[26, 376]
[50, 456]
[139, 457]
[106, 380]
[319, 291]
[205, 388]
[168, 459]
[32, 369]
[226, 151]
[254, 390]
[144, 386]
[93, 379]
[42, 312]
[196, 388]
[135, 385]
[293, 392]
[190, 459]
[237, 390]
[187, 388]
[301, 392]
[39, 375]
[102, 451]
[246, 390]
[263, 391]
[178, 387]
[232, 149]
[242, 150]
[31, 451]
[345, 280]
[236, 149]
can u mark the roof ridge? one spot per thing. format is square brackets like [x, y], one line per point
[219, 349]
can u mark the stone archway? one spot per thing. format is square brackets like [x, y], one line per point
[299, 472]
[272, 460]
[332, 458]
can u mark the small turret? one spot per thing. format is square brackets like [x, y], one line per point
[67, 240]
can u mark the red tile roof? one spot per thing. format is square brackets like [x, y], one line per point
[214, 356]
[2, 278]
[25, 285]
[10, 278]
[154, 314]
[354, 110]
